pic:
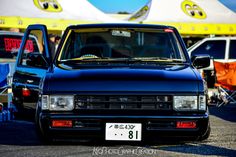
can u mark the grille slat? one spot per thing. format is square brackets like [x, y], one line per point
[124, 102]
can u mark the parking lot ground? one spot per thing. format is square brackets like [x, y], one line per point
[18, 138]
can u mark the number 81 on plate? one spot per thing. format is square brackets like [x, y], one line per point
[123, 131]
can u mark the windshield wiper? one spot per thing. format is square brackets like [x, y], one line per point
[161, 59]
[103, 59]
[143, 60]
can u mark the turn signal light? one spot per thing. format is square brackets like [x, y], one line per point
[186, 124]
[26, 92]
[62, 123]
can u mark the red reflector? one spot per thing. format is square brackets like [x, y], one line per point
[62, 123]
[1, 107]
[168, 30]
[26, 92]
[187, 124]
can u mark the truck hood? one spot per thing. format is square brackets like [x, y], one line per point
[169, 79]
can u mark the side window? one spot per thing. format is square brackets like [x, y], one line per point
[232, 49]
[215, 49]
[34, 44]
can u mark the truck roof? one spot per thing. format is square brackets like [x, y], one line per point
[218, 38]
[11, 33]
[114, 25]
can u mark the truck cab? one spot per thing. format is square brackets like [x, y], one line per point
[115, 82]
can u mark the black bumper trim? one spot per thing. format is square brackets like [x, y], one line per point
[59, 116]
[99, 130]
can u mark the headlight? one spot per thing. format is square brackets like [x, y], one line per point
[190, 103]
[185, 103]
[58, 102]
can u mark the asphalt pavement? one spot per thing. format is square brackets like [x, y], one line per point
[18, 138]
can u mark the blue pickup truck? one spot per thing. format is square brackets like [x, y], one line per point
[115, 82]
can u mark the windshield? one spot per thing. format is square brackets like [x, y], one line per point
[104, 44]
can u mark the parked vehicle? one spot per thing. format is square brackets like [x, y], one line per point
[116, 82]
[220, 49]
[9, 46]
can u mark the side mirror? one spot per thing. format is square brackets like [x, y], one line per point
[200, 62]
[36, 59]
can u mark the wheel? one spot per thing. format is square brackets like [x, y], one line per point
[43, 137]
[206, 135]
[18, 104]
[22, 112]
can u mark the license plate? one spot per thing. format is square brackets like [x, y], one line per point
[123, 131]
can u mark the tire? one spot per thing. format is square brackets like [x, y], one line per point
[21, 111]
[18, 103]
[43, 137]
[206, 135]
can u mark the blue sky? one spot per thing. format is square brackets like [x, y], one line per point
[114, 6]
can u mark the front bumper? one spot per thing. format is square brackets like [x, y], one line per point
[93, 126]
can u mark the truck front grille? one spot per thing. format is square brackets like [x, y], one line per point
[123, 102]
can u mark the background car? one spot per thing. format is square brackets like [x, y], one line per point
[9, 46]
[219, 48]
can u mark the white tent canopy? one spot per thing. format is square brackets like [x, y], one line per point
[189, 16]
[55, 14]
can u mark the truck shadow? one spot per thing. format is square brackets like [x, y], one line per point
[199, 149]
[18, 132]
[22, 133]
